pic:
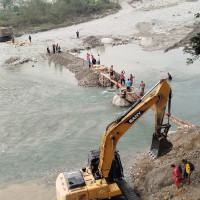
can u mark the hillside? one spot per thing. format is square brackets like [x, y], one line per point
[152, 179]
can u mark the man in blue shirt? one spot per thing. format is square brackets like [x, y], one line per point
[128, 84]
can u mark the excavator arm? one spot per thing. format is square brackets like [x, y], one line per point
[103, 177]
[119, 127]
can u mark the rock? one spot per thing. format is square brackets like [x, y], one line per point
[107, 41]
[121, 102]
[146, 42]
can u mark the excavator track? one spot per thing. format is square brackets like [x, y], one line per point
[126, 190]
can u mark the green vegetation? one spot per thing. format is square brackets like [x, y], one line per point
[34, 13]
[194, 46]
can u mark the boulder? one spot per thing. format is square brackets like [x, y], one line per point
[121, 102]
[107, 41]
[147, 42]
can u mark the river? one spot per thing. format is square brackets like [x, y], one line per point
[49, 123]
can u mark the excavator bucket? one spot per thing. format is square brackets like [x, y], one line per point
[160, 146]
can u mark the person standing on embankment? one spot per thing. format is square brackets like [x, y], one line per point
[177, 176]
[189, 167]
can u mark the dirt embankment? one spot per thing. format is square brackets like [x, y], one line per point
[152, 179]
[85, 76]
[184, 41]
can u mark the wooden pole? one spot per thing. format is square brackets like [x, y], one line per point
[176, 120]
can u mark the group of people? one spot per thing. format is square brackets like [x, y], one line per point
[92, 60]
[177, 173]
[129, 81]
[55, 49]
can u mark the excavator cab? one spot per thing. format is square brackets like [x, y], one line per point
[116, 170]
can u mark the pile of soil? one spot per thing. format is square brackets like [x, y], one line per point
[152, 178]
[91, 42]
[85, 76]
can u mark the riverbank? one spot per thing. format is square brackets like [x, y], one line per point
[184, 41]
[28, 190]
[78, 66]
[51, 15]
[152, 179]
[142, 23]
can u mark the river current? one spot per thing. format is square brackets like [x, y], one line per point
[49, 123]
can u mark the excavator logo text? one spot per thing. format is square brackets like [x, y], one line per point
[134, 117]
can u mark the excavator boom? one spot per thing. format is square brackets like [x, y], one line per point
[119, 127]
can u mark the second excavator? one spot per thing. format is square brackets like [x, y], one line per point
[103, 177]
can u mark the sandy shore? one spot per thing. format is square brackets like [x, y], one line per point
[153, 24]
[28, 191]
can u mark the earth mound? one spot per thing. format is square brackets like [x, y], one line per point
[91, 42]
[152, 179]
[85, 76]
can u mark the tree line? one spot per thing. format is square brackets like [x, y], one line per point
[35, 12]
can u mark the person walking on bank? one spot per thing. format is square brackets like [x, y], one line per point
[77, 34]
[54, 48]
[88, 59]
[59, 49]
[13, 40]
[177, 176]
[29, 37]
[122, 78]
[48, 50]
[189, 167]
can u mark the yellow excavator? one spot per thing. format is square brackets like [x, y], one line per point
[103, 177]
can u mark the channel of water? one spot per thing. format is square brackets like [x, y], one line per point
[49, 123]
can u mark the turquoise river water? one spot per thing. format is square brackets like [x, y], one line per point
[48, 122]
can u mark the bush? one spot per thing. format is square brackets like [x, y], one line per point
[37, 12]
[194, 46]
